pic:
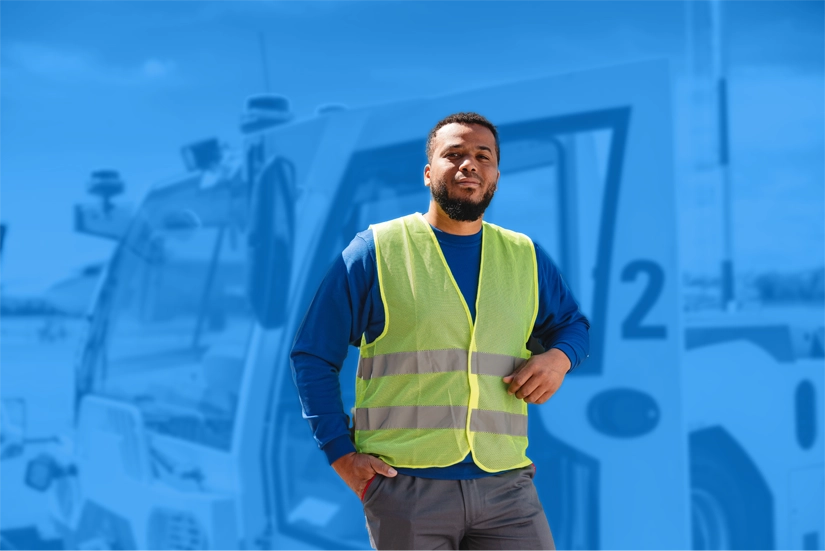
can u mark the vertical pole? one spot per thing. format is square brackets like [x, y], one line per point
[2, 237]
[720, 66]
[707, 65]
[728, 273]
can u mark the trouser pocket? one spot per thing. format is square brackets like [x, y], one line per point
[370, 482]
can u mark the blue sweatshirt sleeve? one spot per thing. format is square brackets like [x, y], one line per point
[336, 318]
[559, 323]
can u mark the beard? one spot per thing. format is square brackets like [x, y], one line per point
[461, 210]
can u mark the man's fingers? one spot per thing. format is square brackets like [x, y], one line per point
[509, 378]
[382, 468]
[532, 386]
[538, 386]
[519, 377]
[539, 398]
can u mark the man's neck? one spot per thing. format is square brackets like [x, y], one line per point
[439, 219]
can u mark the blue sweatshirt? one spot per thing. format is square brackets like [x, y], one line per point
[348, 304]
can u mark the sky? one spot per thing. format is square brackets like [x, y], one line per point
[125, 84]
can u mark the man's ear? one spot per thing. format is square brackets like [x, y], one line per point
[427, 175]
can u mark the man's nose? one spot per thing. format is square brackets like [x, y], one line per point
[467, 165]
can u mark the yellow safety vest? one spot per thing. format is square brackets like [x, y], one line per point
[429, 388]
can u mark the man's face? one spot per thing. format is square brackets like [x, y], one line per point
[463, 173]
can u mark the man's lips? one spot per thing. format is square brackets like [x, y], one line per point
[468, 183]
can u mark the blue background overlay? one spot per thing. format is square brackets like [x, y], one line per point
[178, 177]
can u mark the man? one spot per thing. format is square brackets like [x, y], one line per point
[442, 306]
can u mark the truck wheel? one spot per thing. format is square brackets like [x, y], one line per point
[731, 504]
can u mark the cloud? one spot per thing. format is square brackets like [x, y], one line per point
[67, 66]
[43, 61]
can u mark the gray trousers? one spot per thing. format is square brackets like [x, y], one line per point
[496, 512]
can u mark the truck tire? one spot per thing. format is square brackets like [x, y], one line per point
[731, 504]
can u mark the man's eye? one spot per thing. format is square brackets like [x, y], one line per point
[483, 157]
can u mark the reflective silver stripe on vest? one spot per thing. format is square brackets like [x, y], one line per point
[411, 417]
[498, 422]
[495, 364]
[407, 363]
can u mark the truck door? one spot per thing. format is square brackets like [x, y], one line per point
[587, 172]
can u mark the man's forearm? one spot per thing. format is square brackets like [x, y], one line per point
[319, 389]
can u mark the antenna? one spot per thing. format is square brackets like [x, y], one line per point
[264, 62]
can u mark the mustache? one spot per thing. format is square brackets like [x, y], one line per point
[481, 181]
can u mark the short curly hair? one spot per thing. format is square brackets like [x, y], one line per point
[467, 117]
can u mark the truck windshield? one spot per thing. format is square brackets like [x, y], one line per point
[178, 327]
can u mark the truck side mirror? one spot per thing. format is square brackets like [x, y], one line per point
[12, 428]
[271, 241]
[109, 224]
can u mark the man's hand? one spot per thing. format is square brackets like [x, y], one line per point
[356, 469]
[539, 377]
